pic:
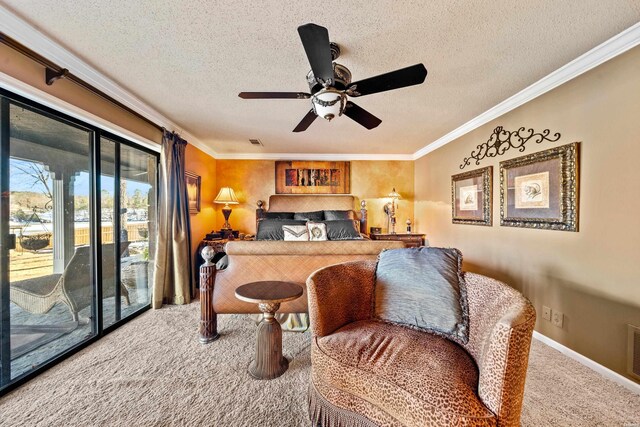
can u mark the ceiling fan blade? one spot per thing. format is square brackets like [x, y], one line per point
[274, 95]
[306, 121]
[315, 40]
[397, 79]
[361, 116]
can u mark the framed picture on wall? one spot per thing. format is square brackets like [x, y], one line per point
[471, 197]
[540, 190]
[312, 177]
[193, 191]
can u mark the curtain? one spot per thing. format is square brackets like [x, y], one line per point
[172, 278]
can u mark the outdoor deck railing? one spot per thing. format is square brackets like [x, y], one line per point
[82, 235]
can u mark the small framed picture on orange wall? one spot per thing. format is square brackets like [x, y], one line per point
[192, 182]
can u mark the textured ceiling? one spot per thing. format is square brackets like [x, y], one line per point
[189, 60]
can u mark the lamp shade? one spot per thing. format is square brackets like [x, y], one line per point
[394, 194]
[226, 196]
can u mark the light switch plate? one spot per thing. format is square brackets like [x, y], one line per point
[546, 313]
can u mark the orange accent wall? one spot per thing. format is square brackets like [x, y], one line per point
[254, 180]
[202, 164]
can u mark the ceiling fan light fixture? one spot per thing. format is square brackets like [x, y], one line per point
[330, 83]
[328, 103]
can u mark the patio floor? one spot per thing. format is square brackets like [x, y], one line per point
[36, 338]
[25, 265]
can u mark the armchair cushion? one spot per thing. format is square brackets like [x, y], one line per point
[416, 378]
[423, 288]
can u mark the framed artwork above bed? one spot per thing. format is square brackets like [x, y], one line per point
[312, 177]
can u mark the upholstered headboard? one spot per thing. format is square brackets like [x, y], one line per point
[309, 203]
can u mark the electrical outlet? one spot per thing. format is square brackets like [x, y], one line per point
[546, 313]
[557, 319]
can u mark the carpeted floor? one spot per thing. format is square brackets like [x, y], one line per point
[153, 372]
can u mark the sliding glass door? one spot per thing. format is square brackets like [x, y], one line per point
[77, 235]
[128, 204]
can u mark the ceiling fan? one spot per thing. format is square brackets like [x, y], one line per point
[330, 82]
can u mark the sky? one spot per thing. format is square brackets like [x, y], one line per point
[20, 181]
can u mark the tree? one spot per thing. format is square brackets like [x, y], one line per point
[106, 200]
[137, 200]
[20, 216]
[38, 176]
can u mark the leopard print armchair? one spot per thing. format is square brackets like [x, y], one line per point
[368, 373]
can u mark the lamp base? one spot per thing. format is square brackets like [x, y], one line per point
[226, 211]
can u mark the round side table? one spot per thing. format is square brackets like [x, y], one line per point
[269, 362]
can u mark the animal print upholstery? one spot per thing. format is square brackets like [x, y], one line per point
[343, 301]
[395, 376]
[416, 377]
[501, 323]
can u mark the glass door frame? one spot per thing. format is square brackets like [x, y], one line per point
[8, 98]
[119, 141]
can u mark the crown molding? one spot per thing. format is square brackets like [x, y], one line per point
[611, 48]
[18, 29]
[311, 156]
[23, 89]
[24, 33]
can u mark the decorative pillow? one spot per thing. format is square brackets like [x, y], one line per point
[335, 215]
[295, 233]
[309, 216]
[278, 215]
[271, 229]
[317, 231]
[343, 229]
[423, 288]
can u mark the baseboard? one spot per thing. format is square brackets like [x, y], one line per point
[602, 370]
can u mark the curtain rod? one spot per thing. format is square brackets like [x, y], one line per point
[54, 72]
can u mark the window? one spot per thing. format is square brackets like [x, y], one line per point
[77, 235]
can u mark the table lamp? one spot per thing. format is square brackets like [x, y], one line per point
[228, 197]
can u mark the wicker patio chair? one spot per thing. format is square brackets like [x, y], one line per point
[72, 287]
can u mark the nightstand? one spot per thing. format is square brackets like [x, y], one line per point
[411, 240]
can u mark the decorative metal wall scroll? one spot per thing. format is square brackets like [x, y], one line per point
[502, 140]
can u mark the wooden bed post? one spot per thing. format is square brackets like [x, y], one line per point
[363, 217]
[208, 317]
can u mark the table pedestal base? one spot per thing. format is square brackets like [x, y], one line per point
[269, 362]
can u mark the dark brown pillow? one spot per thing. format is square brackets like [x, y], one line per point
[336, 215]
[309, 216]
[278, 215]
[343, 229]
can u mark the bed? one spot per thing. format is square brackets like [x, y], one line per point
[250, 261]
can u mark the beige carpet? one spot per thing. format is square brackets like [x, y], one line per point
[153, 372]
